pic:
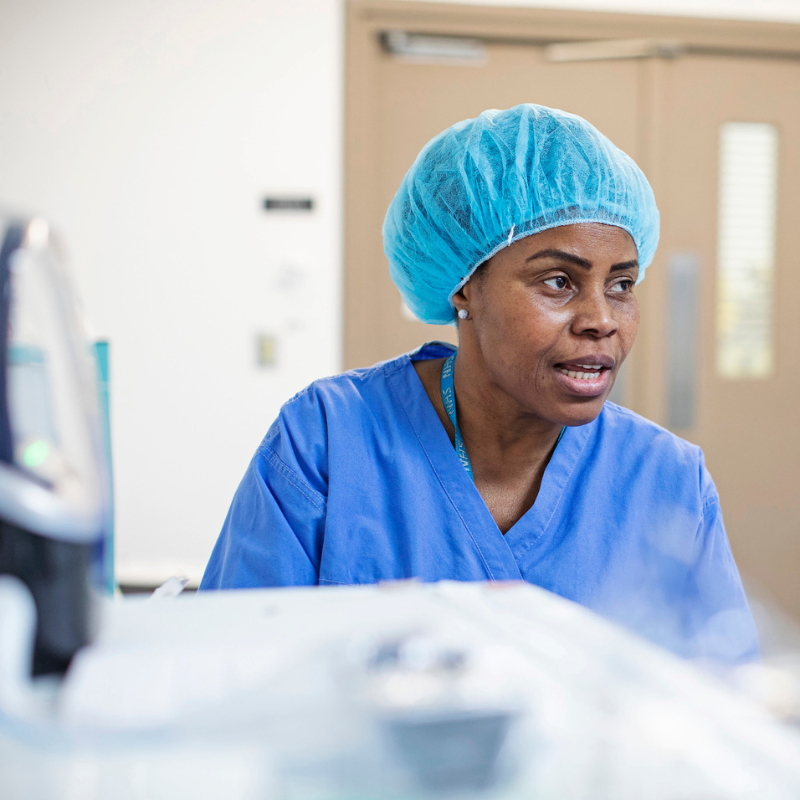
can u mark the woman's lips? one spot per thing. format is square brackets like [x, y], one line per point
[583, 381]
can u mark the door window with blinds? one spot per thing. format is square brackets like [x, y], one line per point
[746, 250]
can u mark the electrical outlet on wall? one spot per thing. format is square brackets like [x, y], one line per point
[266, 349]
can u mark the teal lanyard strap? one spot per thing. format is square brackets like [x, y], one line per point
[449, 400]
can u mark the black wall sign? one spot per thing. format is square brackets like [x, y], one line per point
[288, 204]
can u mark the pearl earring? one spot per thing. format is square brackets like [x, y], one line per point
[463, 313]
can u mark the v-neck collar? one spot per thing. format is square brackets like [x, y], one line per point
[503, 555]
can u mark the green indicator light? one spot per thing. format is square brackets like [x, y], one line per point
[35, 453]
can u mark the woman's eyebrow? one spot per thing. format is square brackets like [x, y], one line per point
[577, 260]
[563, 255]
[625, 265]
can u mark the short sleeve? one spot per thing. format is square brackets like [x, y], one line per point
[272, 535]
[718, 623]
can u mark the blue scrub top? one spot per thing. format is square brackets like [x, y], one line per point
[357, 482]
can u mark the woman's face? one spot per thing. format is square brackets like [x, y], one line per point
[551, 319]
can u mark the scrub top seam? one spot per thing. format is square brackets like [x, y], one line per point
[307, 491]
[436, 473]
[396, 364]
[711, 500]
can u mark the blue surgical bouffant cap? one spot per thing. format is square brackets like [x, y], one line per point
[487, 182]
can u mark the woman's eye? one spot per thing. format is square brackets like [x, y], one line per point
[622, 286]
[558, 282]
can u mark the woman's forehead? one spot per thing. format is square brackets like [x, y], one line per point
[592, 241]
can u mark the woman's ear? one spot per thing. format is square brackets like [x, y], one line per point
[463, 296]
[461, 301]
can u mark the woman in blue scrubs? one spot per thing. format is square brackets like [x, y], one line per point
[502, 460]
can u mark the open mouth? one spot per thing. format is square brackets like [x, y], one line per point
[588, 376]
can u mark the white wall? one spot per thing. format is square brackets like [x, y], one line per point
[149, 132]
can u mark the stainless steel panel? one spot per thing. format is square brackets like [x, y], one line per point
[682, 336]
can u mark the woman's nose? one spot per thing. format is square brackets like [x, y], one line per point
[594, 316]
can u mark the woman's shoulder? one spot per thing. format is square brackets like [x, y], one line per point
[344, 405]
[345, 387]
[366, 385]
[641, 441]
[616, 419]
[333, 411]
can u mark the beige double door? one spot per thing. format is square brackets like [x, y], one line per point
[667, 113]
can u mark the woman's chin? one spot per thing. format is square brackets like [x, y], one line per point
[579, 401]
[580, 413]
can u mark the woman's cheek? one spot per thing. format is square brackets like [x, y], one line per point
[629, 323]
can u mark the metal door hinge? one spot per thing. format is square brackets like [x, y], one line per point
[424, 48]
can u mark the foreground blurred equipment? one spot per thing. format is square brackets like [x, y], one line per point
[413, 691]
[52, 481]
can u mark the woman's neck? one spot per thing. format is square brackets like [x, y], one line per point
[508, 448]
[500, 436]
